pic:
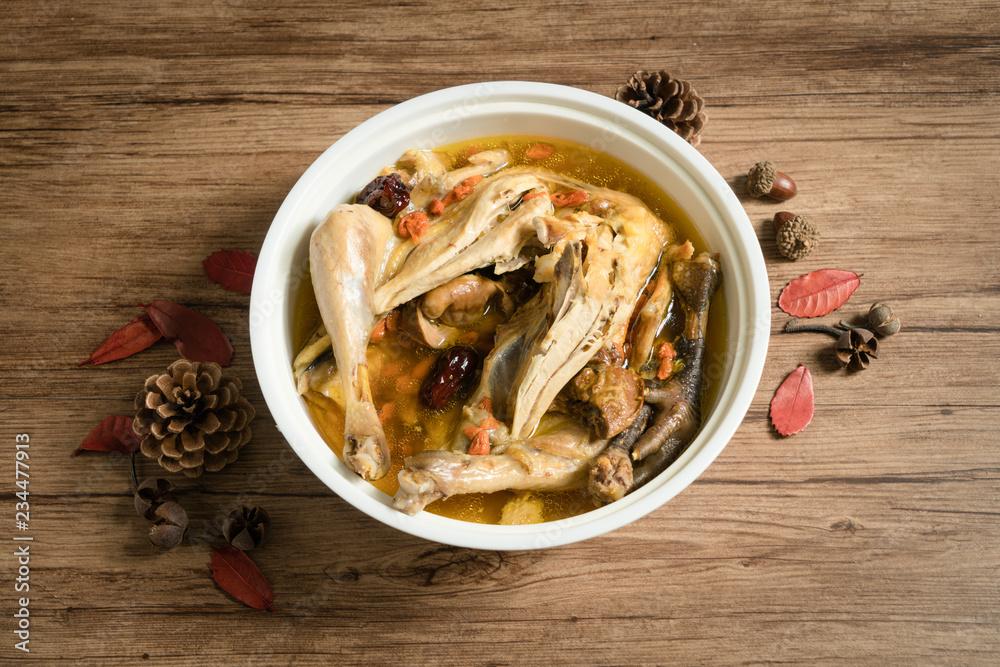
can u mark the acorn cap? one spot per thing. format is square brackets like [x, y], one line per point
[797, 237]
[760, 178]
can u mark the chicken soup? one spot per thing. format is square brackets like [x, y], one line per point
[508, 330]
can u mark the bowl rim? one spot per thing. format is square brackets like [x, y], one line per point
[271, 289]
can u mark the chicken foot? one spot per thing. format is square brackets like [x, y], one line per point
[654, 310]
[677, 404]
[611, 474]
[679, 401]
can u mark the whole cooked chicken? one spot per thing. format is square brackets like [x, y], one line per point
[535, 306]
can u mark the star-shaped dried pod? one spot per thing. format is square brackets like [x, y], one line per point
[246, 527]
[172, 522]
[152, 493]
[856, 348]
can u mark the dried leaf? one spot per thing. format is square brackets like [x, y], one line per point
[792, 407]
[134, 337]
[233, 269]
[237, 575]
[196, 337]
[818, 292]
[113, 434]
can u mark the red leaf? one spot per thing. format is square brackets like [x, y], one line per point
[113, 434]
[233, 269]
[196, 337]
[792, 407]
[819, 292]
[237, 575]
[134, 337]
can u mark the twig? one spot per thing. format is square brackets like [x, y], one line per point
[131, 465]
[793, 326]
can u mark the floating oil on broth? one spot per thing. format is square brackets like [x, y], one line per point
[397, 370]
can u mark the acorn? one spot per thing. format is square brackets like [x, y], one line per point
[882, 320]
[797, 237]
[763, 180]
[780, 218]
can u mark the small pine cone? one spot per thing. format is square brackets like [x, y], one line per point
[669, 100]
[193, 417]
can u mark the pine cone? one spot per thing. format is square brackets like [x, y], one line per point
[671, 101]
[193, 417]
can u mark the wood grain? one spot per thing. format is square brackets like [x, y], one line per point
[137, 138]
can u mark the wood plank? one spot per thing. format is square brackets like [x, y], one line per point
[137, 139]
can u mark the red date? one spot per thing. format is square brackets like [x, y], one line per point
[387, 194]
[452, 373]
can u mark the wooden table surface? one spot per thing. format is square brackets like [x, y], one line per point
[137, 138]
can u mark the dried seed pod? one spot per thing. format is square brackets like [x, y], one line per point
[882, 320]
[856, 348]
[150, 494]
[246, 527]
[172, 522]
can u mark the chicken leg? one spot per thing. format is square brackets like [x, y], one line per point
[544, 463]
[346, 253]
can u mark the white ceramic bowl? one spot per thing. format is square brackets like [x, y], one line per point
[497, 108]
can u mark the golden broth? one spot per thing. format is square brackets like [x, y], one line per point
[396, 367]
